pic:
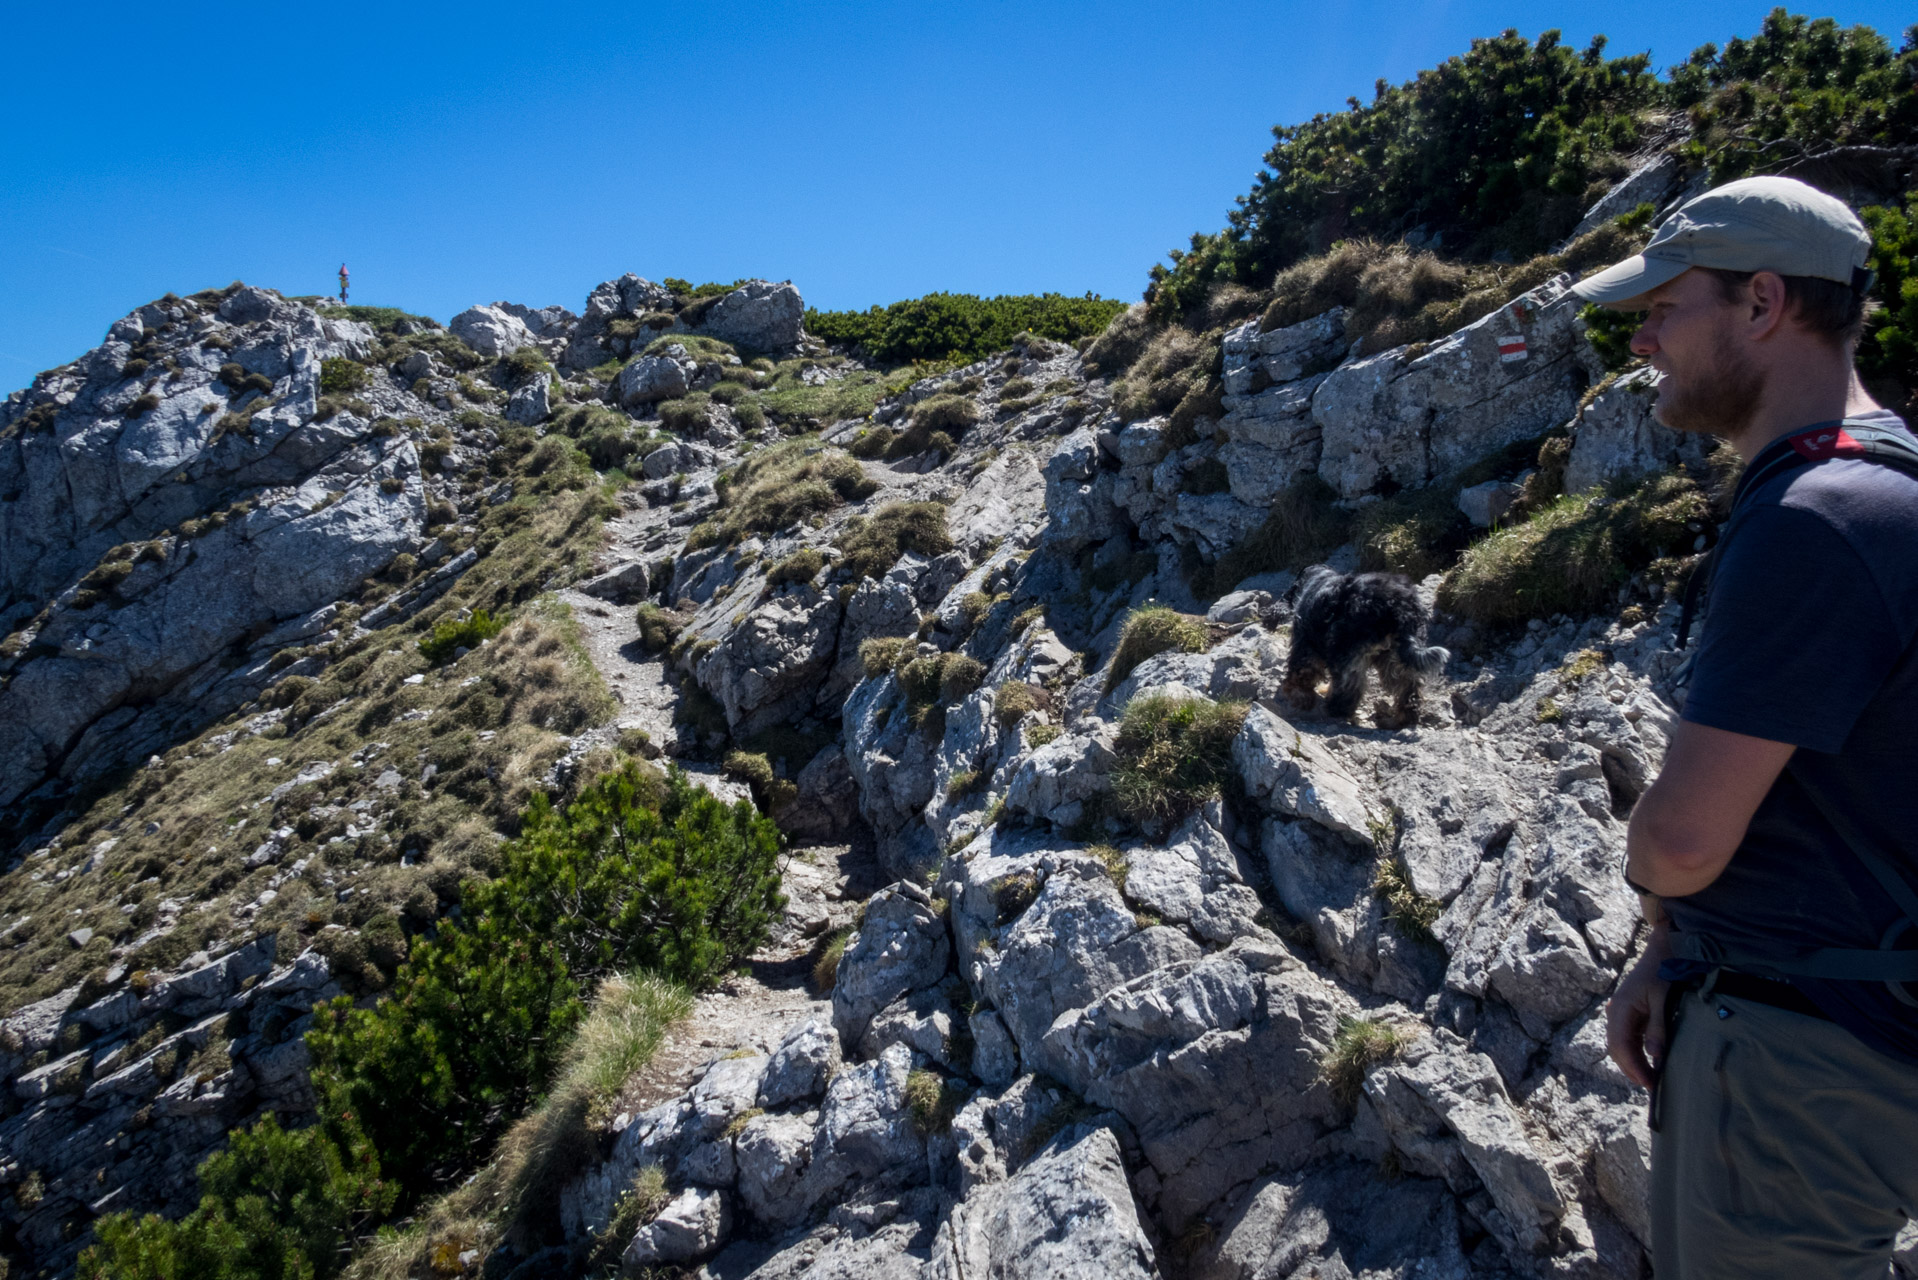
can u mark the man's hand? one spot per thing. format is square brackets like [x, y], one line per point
[1635, 1018]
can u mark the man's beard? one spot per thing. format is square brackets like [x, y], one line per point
[1718, 400]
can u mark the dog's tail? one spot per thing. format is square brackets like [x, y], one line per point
[1425, 661]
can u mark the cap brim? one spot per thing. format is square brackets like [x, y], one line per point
[1624, 285]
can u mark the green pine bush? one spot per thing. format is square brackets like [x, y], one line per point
[450, 636]
[275, 1204]
[961, 327]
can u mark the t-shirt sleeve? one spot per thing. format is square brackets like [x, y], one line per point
[1797, 638]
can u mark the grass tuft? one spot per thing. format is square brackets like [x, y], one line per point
[934, 1100]
[872, 545]
[825, 969]
[1011, 702]
[1152, 630]
[1573, 556]
[1406, 907]
[1174, 754]
[1357, 1046]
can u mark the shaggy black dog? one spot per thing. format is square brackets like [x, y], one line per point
[1344, 624]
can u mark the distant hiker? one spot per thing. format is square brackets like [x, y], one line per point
[1775, 1012]
[342, 284]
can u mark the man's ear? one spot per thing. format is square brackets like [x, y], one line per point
[1765, 304]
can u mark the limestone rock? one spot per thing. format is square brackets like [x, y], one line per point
[768, 667]
[1449, 1116]
[531, 402]
[866, 1130]
[1486, 504]
[995, 1058]
[1344, 1220]
[1067, 1215]
[490, 331]
[689, 1229]
[802, 1064]
[1214, 1062]
[646, 379]
[774, 1153]
[827, 803]
[1408, 416]
[1291, 774]
[1616, 436]
[1655, 181]
[592, 342]
[901, 946]
[1056, 780]
[759, 316]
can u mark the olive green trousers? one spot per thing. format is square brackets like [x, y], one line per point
[1785, 1148]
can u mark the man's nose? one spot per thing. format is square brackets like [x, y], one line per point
[1645, 340]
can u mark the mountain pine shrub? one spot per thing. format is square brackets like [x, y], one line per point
[960, 327]
[275, 1204]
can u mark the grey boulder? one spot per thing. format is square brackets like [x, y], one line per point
[1067, 1215]
[689, 1229]
[490, 331]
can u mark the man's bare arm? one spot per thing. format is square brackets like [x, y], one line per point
[1684, 832]
[1687, 826]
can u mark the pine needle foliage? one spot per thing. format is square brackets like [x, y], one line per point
[960, 327]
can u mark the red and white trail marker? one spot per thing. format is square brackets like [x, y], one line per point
[1511, 349]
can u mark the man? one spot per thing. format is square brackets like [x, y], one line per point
[1772, 851]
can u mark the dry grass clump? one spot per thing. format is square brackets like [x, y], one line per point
[940, 678]
[1406, 907]
[659, 627]
[801, 566]
[519, 1190]
[755, 769]
[1012, 700]
[879, 656]
[1573, 556]
[1397, 294]
[1177, 373]
[1152, 630]
[934, 1100]
[1174, 754]
[1418, 532]
[935, 423]
[1121, 343]
[781, 488]
[872, 545]
[1303, 527]
[1357, 1046]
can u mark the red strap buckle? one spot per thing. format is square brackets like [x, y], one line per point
[1827, 442]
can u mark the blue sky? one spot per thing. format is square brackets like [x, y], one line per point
[453, 154]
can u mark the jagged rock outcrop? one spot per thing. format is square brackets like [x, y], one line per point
[1615, 437]
[168, 520]
[1408, 416]
[491, 331]
[623, 316]
[124, 1121]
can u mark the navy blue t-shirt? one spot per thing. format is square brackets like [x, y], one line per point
[1809, 640]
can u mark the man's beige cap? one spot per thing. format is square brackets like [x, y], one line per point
[1754, 224]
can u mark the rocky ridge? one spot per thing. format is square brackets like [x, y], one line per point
[1058, 1043]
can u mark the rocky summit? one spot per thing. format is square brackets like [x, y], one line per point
[1097, 956]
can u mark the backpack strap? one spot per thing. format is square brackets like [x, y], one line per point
[1840, 438]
